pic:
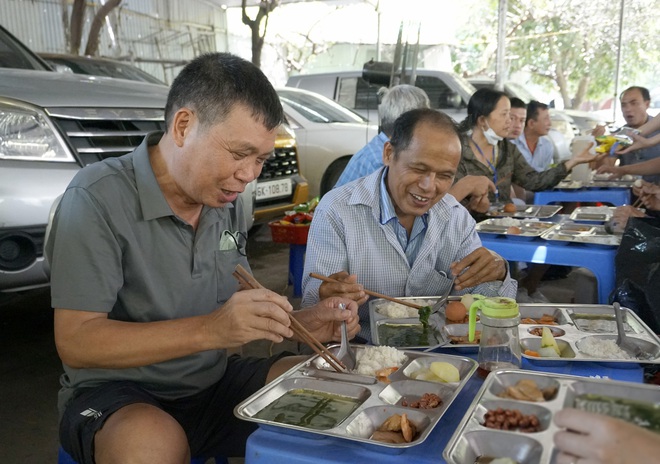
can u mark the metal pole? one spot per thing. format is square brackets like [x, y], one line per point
[618, 61]
[500, 71]
[378, 31]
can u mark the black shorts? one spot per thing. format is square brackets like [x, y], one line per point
[207, 417]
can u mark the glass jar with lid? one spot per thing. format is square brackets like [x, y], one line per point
[499, 346]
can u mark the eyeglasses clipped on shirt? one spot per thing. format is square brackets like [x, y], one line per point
[233, 241]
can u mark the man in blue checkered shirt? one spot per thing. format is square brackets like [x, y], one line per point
[397, 231]
[395, 102]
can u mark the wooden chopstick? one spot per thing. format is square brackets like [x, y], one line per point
[503, 179]
[638, 202]
[368, 292]
[244, 277]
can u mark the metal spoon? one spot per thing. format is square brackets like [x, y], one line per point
[622, 340]
[345, 353]
[443, 299]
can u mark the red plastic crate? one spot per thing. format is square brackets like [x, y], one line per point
[289, 233]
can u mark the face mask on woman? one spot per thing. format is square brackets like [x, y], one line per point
[491, 136]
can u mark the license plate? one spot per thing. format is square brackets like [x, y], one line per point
[273, 188]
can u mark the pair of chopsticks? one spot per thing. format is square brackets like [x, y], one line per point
[368, 292]
[639, 202]
[245, 278]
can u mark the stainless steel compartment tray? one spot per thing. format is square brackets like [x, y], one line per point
[592, 213]
[593, 235]
[525, 211]
[598, 322]
[471, 439]
[377, 321]
[526, 229]
[378, 400]
[579, 323]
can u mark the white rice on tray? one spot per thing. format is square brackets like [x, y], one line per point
[399, 311]
[374, 358]
[602, 348]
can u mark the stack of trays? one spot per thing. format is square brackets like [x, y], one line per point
[367, 402]
[474, 442]
[577, 328]
[603, 181]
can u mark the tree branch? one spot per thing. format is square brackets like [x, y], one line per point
[95, 29]
[77, 19]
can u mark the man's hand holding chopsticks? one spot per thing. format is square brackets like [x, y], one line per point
[649, 195]
[250, 315]
[346, 287]
[324, 319]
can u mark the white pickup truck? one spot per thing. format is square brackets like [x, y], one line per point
[448, 92]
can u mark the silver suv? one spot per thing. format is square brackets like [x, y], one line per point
[51, 125]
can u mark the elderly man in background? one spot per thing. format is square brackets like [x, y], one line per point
[635, 102]
[395, 102]
[397, 231]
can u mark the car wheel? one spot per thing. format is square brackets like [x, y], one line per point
[333, 173]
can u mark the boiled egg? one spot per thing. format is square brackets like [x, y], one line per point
[510, 208]
[455, 311]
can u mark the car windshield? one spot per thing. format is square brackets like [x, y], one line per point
[104, 68]
[317, 108]
[14, 55]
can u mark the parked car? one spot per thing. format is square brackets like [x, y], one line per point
[280, 186]
[328, 134]
[95, 66]
[447, 91]
[52, 124]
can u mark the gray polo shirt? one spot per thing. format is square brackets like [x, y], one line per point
[117, 247]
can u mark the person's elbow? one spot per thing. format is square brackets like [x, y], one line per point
[70, 334]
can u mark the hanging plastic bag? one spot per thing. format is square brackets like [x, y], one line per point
[637, 265]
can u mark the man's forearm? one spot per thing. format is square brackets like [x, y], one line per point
[645, 168]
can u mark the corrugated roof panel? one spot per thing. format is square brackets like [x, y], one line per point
[168, 31]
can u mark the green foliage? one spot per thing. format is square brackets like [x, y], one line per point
[569, 45]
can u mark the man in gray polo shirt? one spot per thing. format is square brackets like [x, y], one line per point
[141, 251]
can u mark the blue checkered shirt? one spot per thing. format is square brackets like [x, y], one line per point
[388, 216]
[347, 235]
[365, 161]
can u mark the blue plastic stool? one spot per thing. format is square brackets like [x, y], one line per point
[64, 458]
[296, 267]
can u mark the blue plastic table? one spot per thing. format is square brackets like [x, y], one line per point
[598, 259]
[278, 446]
[613, 196]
